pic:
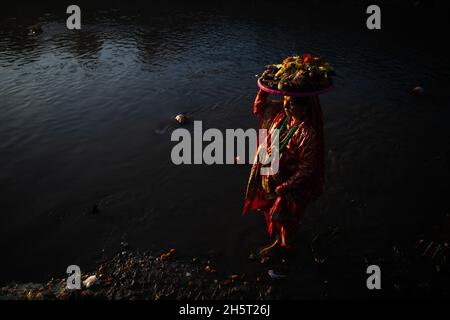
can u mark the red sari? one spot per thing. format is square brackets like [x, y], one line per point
[300, 175]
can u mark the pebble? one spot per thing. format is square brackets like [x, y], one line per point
[275, 276]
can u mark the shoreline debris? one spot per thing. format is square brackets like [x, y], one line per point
[90, 281]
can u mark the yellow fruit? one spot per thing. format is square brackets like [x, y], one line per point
[279, 72]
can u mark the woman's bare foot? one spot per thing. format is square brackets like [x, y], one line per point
[269, 250]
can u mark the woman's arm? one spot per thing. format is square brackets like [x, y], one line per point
[264, 108]
[260, 103]
[307, 163]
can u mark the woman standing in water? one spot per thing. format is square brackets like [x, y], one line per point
[284, 196]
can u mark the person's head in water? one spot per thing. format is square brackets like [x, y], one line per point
[297, 107]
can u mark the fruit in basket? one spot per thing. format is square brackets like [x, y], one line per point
[298, 73]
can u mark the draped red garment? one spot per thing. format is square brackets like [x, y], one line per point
[300, 176]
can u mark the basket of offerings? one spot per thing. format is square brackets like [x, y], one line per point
[298, 76]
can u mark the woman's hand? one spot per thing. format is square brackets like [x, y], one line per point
[280, 190]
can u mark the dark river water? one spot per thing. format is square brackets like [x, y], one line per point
[86, 118]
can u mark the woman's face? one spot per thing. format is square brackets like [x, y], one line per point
[289, 106]
[294, 107]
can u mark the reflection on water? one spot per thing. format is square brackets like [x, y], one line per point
[86, 118]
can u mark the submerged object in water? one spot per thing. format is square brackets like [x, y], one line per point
[181, 118]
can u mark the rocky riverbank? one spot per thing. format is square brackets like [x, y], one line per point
[419, 270]
[135, 275]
